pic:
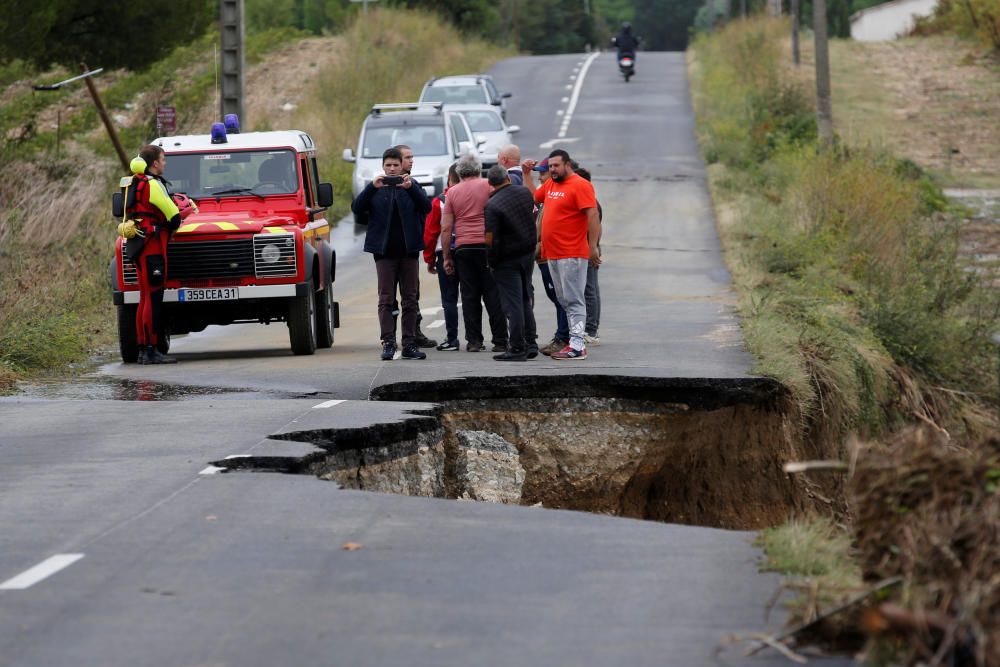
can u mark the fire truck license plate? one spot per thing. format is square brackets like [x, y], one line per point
[208, 293]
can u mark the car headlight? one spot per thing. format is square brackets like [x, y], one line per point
[270, 254]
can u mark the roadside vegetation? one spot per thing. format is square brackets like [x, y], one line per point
[56, 234]
[855, 295]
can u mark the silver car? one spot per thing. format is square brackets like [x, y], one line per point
[438, 137]
[490, 131]
[465, 89]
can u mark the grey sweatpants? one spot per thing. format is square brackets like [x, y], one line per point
[569, 276]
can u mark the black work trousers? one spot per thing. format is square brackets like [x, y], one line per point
[513, 279]
[477, 288]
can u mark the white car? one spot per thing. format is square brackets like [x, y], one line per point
[438, 137]
[490, 131]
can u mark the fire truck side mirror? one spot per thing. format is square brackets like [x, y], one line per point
[325, 193]
[117, 205]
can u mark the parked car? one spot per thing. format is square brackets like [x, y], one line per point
[490, 131]
[437, 136]
[258, 249]
[465, 89]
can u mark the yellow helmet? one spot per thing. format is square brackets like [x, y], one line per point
[137, 165]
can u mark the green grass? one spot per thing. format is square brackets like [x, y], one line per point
[814, 548]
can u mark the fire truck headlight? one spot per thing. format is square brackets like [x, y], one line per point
[270, 254]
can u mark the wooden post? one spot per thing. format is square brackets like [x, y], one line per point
[103, 113]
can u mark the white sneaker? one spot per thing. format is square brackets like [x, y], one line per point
[591, 340]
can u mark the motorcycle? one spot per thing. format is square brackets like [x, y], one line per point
[626, 65]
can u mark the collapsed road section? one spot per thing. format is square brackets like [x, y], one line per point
[706, 451]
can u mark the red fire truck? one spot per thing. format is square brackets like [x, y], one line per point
[258, 249]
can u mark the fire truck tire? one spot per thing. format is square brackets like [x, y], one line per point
[302, 324]
[127, 343]
[324, 316]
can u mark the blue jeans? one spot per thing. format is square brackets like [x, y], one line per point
[562, 323]
[449, 299]
[592, 296]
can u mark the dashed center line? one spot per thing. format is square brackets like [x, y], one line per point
[575, 97]
[40, 572]
[435, 324]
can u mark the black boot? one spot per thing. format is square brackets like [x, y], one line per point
[424, 341]
[154, 356]
[141, 357]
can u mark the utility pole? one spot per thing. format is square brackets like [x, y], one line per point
[103, 113]
[231, 21]
[794, 10]
[824, 111]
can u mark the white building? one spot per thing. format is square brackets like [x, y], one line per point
[889, 20]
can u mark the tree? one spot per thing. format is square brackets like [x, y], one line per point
[795, 11]
[824, 110]
[664, 25]
[107, 34]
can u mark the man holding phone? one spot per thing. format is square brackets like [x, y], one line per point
[396, 208]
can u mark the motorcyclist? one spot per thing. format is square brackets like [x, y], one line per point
[626, 41]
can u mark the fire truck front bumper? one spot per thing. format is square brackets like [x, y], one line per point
[240, 293]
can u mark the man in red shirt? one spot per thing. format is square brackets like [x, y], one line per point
[570, 231]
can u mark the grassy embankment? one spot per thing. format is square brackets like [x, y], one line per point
[852, 291]
[55, 234]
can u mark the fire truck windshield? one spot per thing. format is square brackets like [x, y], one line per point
[233, 173]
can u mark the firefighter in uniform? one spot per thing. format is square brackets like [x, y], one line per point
[155, 215]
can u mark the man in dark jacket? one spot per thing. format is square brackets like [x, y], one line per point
[396, 208]
[511, 238]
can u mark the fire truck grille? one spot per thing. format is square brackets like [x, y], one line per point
[274, 255]
[200, 260]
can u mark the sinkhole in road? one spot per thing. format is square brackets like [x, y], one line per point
[675, 461]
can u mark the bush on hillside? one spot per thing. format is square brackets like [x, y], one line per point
[977, 19]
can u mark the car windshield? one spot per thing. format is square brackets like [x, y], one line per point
[483, 121]
[473, 94]
[234, 173]
[423, 139]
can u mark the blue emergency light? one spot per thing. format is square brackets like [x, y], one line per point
[232, 123]
[218, 133]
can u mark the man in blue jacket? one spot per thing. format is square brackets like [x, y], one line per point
[396, 208]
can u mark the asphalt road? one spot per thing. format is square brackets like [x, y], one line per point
[667, 304]
[120, 545]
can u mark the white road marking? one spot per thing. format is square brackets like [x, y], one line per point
[211, 470]
[328, 404]
[435, 324]
[559, 113]
[572, 77]
[430, 311]
[43, 570]
[575, 97]
[569, 86]
[564, 100]
[551, 143]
